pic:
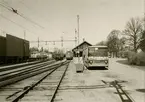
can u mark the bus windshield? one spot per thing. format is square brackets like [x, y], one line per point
[98, 52]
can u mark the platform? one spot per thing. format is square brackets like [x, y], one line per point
[84, 87]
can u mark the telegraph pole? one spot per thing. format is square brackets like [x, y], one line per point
[24, 34]
[62, 41]
[48, 47]
[38, 42]
[75, 37]
[78, 28]
[78, 37]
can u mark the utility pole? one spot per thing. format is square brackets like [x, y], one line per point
[75, 37]
[48, 47]
[62, 41]
[54, 45]
[78, 38]
[78, 28]
[24, 34]
[38, 42]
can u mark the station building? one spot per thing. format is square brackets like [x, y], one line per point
[80, 48]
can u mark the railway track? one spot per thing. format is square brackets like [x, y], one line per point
[44, 86]
[15, 66]
[22, 69]
[124, 96]
[18, 75]
[122, 93]
[50, 81]
[50, 86]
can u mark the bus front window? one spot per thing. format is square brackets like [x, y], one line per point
[98, 52]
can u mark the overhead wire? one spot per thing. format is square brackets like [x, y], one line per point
[28, 9]
[18, 13]
[17, 24]
[7, 7]
[24, 4]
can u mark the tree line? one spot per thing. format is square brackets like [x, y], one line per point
[131, 38]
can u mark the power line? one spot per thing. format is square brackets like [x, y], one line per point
[5, 6]
[29, 9]
[17, 24]
[54, 41]
[18, 13]
[24, 4]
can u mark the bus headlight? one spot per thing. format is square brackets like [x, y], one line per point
[106, 61]
[90, 62]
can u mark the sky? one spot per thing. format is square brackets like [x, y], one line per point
[58, 18]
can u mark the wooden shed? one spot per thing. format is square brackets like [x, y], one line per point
[79, 49]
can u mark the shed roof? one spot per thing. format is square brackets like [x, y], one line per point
[84, 42]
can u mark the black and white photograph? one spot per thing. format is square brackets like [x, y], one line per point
[72, 50]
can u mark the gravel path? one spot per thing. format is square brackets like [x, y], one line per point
[88, 86]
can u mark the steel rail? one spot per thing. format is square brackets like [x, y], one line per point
[53, 96]
[31, 87]
[24, 73]
[24, 76]
[15, 67]
[20, 72]
[117, 87]
[25, 67]
[118, 92]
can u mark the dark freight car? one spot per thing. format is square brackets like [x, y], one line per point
[14, 47]
[58, 55]
[2, 49]
[26, 49]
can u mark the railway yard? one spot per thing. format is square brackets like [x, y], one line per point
[58, 81]
[72, 51]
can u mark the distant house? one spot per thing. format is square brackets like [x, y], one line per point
[80, 48]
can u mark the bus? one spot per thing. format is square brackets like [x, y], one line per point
[96, 56]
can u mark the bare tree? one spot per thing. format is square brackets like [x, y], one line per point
[122, 42]
[142, 42]
[113, 42]
[133, 31]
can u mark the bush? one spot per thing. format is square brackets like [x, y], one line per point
[123, 54]
[140, 58]
[136, 58]
[131, 56]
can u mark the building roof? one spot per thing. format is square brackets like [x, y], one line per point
[84, 42]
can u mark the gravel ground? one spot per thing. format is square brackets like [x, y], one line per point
[15, 89]
[9, 90]
[87, 86]
[133, 77]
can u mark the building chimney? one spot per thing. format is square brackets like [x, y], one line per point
[83, 39]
